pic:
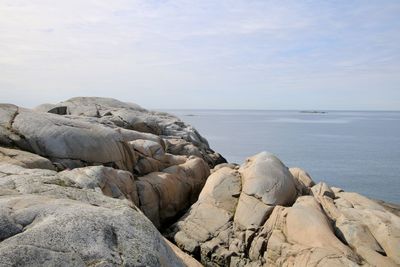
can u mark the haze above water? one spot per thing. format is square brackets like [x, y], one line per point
[357, 151]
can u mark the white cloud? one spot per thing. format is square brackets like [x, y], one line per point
[138, 50]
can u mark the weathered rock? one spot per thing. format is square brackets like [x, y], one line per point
[68, 232]
[213, 211]
[83, 132]
[164, 194]
[369, 215]
[186, 259]
[148, 148]
[24, 159]
[302, 176]
[107, 124]
[307, 238]
[226, 165]
[359, 237]
[152, 157]
[89, 106]
[266, 178]
[251, 212]
[303, 181]
[59, 137]
[314, 229]
[113, 157]
[133, 117]
[194, 171]
[322, 189]
[325, 196]
[233, 205]
[47, 219]
[111, 182]
[222, 189]
[182, 147]
[324, 227]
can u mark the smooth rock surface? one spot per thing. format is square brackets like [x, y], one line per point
[91, 131]
[133, 117]
[74, 175]
[87, 182]
[307, 225]
[47, 220]
[266, 178]
[25, 159]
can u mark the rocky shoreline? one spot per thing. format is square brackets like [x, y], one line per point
[92, 182]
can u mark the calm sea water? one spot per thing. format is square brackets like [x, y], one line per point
[357, 151]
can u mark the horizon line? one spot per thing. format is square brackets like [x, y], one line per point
[300, 110]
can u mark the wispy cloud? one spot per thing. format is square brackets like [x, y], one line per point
[219, 54]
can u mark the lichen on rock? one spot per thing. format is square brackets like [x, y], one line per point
[91, 182]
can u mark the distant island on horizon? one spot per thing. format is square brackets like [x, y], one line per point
[95, 180]
[313, 111]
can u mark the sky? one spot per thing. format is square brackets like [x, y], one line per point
[207, 54]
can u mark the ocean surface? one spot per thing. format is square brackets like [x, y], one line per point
[355, 150]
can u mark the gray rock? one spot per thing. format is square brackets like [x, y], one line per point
[266, 178]
[133, 117]
[24, 159]
[64, 232]
[251, 212]
[63, 219]
[322, 189]
[111, 182]
[114, 158]
[231, 207]
[164, 194]
[324, 227]
[55, 136]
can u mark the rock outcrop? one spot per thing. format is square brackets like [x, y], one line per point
[91, 181]
[48, 219]
[181, 139]
[79, 178]
[161, 152]
[265, 214]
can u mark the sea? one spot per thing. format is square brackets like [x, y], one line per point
[355, 150]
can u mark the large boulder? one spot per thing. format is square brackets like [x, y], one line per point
[233, 204]
[266, 182]
[57, 137]
[48, 220]
[214, 210]
[266, 178]
[88, 181]
[163, 195]
[61, 131]
[313, 230]
[25, 159]
[103, 132]
[133, 117]
[111, 182]
[63, 232]
[263, 214]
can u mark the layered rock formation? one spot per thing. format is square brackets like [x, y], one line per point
[90, 181]
[265, 214]
[63, 219]
[79, 178]
[162, 152]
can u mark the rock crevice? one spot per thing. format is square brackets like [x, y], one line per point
[282, 218]
[91, 181]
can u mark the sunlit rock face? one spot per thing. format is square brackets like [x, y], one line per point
[161, 152]
[264, 214]
[75, 218]
[91, 181]
[79, 178]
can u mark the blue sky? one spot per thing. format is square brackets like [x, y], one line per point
[203, 54]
